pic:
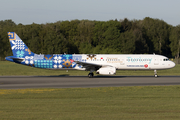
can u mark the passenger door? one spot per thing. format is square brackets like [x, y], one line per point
[156, 60]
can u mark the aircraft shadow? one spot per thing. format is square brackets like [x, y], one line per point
[104, 76]
[96, 76]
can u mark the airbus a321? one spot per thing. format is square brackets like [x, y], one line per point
[105, 64]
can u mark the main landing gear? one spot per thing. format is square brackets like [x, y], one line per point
[90, 75]
[155, 74]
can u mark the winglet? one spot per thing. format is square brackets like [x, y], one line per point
[71, 60]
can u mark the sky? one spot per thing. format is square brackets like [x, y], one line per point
[50, 11]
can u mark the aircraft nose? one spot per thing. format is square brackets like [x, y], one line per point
[173, 64]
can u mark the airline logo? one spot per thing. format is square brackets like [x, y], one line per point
[145, 65]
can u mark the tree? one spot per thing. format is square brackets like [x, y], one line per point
[157, 32]
[175, 42]
[84, 36]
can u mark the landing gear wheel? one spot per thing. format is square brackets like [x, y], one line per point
[156, 76]
[90, 75]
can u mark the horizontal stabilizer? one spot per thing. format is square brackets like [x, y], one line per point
[15, 58]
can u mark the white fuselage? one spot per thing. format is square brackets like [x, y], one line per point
[130, 61]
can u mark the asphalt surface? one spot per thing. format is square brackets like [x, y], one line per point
[22, 82]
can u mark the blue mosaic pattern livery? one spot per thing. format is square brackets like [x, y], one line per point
[18, 47]
[53, 61]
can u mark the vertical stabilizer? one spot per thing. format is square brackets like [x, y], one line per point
[19, 48]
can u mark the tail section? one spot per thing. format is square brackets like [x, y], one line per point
[19, 48]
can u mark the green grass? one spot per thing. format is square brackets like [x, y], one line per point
[10, 68]
[108, 103]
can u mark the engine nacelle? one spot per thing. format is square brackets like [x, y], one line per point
[106, 70]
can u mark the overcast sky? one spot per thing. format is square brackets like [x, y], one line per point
[49, 11]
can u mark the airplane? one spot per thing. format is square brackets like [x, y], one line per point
[104, 64]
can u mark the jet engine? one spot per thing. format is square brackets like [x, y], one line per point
[106, 70]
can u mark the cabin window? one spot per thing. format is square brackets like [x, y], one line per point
[166, 59]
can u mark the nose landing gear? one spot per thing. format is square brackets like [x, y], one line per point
[155, 74]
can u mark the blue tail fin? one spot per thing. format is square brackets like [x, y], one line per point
[19, 49]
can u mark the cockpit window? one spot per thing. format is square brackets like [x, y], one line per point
[166, 59]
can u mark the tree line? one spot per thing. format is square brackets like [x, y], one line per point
[145, 36]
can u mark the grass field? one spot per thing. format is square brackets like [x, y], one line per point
[108, 103]
[9, 68]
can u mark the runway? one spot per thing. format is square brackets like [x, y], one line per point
[23, 82]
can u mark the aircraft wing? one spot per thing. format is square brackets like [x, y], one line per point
[88, 66]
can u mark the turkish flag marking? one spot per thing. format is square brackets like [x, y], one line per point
[145, 65]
